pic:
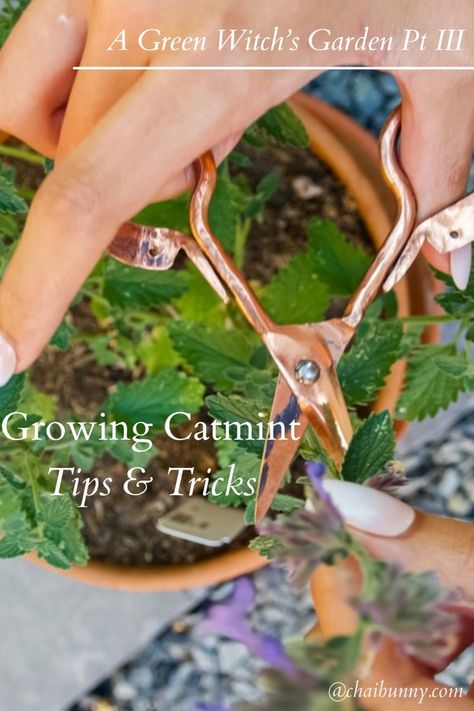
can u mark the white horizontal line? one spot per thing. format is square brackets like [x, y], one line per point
[213, 68]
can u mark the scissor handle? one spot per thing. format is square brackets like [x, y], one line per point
[388, 255]
[206, 177]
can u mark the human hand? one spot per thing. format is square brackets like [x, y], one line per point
[391, 530]
[124, 139]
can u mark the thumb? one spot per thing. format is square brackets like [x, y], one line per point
[393, 530]
[435, 149]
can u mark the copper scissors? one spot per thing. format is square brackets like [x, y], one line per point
[307, 390]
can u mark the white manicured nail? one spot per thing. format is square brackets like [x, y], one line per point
[7, 360]
[461, 266]
[368, 509]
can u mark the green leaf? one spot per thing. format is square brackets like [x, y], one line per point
[153, 399]
[10, 202]
[55, 513]
[436, 375]
[52, 554]
[169, 213]
[156, 351]
[10, 394]
[225, 209]
[282, 125]
[283, 503]
[247, 467]
[13, 545]
[372, 446]
[9, 16]
[454, 301]
[62, 337]
[235, 408]
[266, 546]
[37, 404]
[129, 287]
[338, 263]
[265, 189]
[363, 369]
[73, 543]
[12, 479]
[240, 159]
[8, 226]
[296, 294]
[211, 352]
[200, 303]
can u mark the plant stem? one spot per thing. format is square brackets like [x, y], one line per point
[241, 237]
[34, 488]
[21, 154]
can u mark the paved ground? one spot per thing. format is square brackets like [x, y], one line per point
[58, 638]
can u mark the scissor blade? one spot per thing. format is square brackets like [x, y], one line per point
[327, 412]
[280, 449]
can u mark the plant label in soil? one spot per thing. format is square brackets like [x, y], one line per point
[199, 521]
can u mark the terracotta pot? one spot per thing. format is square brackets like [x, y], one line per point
[352, 154]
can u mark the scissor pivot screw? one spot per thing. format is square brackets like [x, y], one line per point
[307, 372]
[454, 234]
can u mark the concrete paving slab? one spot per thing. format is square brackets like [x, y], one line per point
[431, 429]
[59, 638]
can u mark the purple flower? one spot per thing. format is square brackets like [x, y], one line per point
[410, 608]
[229, 620]
[204, 706]
[390, 480]
[315, 472]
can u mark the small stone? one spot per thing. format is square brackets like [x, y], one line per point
[468, 485]
[448, 454]
[101, 705]
[181, 626]
[305, 188]
[449, 483]
[142, 679]
[177, 651]
[459, 505]
[467, 446]
[204, 660]
[222, 592]
[123, 691]
[231, 655]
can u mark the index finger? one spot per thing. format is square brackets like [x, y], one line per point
[152, 133]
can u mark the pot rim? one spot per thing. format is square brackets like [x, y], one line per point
[351, 152]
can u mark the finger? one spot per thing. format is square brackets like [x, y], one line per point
[389, 668]
[184, 180]
[436, 143]
[36, 71]
[393, 530]
[154, 132]
[95, 93]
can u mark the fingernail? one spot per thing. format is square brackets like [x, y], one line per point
[368, 509]
[7, 360]
[461, 260]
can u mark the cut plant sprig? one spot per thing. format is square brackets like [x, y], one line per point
[409, 608]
